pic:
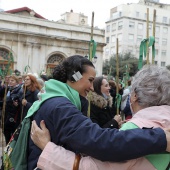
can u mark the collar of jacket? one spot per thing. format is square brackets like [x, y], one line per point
[100, 101]
[54, 88]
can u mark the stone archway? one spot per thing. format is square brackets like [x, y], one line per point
[53, 61]
[6, 61]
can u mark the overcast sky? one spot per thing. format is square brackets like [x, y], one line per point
[52, 9]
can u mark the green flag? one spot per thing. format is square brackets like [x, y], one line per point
[93, 46]
[143, 46]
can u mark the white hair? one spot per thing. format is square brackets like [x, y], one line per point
[152, 86]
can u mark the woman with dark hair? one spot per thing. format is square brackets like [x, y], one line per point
[60, 107]
[30, 90]
[102, 111]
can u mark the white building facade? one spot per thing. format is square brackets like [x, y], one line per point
[42, 44]
[128, 23]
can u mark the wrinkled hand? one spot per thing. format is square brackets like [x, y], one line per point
[167, 133]
[24, 102]
[118, 119]
[40, 136]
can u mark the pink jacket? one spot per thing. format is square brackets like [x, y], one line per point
[56, 157]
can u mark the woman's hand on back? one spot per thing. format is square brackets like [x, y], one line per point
[40, 136]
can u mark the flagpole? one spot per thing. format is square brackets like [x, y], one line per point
[117, 74]
[24, 90]
[91, 44]
[90, 58]
[147, 35]
[154, 23]
[6, 87]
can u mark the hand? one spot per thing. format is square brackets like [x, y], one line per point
[40, 136]
[15, 103]
[118, 119]
[24, 102]
[167, 133]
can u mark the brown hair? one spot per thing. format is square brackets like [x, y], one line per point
[97, 84]
[34, 83]
[112, 84]
[15, 78]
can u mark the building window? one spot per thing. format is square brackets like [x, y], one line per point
[156, 40]
[157, 29]
[108, 28]
[131, 37]
[165, 30]
[140, 26]
[137, 14]
[4, 57]
[145, 16]
[113, 50]
[164, 20]
[113, 38]
[139, 38]
[163, 64]
[150, 27]
[119, 36]
[164, 41]
[107, 39]
[130, 49]
[131, 24]
[120, 25]
[106, 51]
[156, 51]
[156, 62]
[163, 53]
[113, 26]
[53, 61]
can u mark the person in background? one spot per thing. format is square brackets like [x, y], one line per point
[29, 93]
[41, 82]
[20, 80]
[102, 111]
[125, 104]
[113, 86]
[44, 77]
[150, 103]
[13, 107]
[60, 107]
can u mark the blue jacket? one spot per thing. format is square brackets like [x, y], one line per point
[71, 129]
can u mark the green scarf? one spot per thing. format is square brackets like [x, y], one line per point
[54, 88]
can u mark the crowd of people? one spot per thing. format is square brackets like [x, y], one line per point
[19, 93]
[63, 135]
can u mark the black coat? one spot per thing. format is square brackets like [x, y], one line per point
[31, 97]
[101, 111]
[12, 112]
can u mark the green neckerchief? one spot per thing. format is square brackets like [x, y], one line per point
[54, 88]
[159, 161]
[142, 51]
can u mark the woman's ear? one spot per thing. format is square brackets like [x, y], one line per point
[133, 97]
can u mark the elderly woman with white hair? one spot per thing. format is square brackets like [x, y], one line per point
[150, 104]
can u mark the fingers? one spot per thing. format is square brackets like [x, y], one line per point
[42, 125]
[34, 127]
